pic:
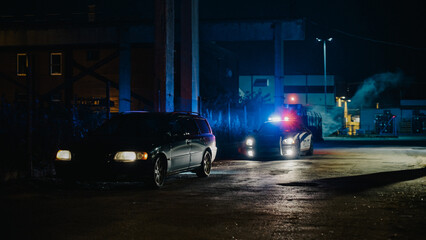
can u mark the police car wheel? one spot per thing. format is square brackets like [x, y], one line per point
[311, 150]
[297, 151]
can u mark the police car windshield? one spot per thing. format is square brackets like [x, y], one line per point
[133, 126]
[275, 128]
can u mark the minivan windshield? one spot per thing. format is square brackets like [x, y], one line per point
[133, 125]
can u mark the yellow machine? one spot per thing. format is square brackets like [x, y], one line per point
[351, 122]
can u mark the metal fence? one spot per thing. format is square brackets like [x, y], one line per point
[233, 122]
[31, 135]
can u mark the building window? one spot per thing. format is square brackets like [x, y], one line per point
[21, 64]
[55, 64]
[261, 82]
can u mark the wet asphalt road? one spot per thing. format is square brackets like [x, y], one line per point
[347, 190]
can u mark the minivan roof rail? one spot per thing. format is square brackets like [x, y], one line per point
[188, 113]
[135, 112]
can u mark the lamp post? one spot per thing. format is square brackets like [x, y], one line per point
[325, 68]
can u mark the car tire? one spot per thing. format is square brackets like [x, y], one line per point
[297, 153]
[206, 165]
[158, 174]
[311, 150]
[65, 176]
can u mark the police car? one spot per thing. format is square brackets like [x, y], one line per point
[286, 137]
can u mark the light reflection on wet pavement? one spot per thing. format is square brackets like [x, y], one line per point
[375, 192]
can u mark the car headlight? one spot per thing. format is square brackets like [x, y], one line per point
[130, 156]
[288, 141]
[289, 152]
[249, 141]
[250, 153]
[63, 155]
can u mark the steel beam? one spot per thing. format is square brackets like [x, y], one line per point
[12, 80]
[185, 90]
[195, 58]
[69, 83]
[278, 66]
[164, 55]
[111, 83]
[124, 78]
[82, 74]
[231, 31]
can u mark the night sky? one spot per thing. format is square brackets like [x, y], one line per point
[370, 37]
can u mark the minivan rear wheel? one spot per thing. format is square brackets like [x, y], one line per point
[206, 165]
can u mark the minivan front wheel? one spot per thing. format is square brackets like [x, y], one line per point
[206, 165]
[158, 174]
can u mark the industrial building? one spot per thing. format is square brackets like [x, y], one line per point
[160, 56]
[123, 61]
[298, 89]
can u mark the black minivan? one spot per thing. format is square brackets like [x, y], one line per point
[141, 146]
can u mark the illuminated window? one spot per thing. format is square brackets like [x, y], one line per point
[21, 64]
[56, 64]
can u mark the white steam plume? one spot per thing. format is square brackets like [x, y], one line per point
[373, 86]
[366, 95]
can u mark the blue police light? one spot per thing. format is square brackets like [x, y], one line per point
[274, 118]
[278, 119]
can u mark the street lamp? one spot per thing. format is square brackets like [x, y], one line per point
[325, 68]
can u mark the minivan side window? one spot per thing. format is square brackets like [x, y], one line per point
[191, 126]
[203, 125]
[176, 127]
[184, 126]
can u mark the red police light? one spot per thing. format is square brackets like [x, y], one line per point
[292, 98]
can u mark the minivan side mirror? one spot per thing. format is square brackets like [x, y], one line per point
[176, 134]
[166, 136]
